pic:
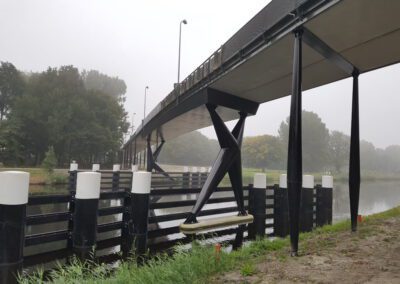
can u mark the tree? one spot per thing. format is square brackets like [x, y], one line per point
[57, 110]
[264, 151]
[315, 141]
[11, 86]
[112, 86]
[190, 149]
[339, 149]
[50, 161]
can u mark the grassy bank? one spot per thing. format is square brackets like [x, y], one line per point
[203, 264]
[39, 176]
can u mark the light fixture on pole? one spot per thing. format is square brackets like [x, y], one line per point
[145, 95]
[179, 55]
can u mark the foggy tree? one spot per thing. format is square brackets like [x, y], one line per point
[315, 137]
[339, 149]
[11, 86]
[265, 151]
[113, 86]
[190, 149]
[56, 109]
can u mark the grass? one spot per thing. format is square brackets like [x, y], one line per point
[39, 176]
[202, 262]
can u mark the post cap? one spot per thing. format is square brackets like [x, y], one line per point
[203, 170]
[194, 170]
[141, 182]
[116, 167]
[327, 181]
[135, 168]
[260, 180]
[73, 166]
[96, 167]
[283, 181]
[88, 185]
[308, 181]
[14, 187]
[185, 169]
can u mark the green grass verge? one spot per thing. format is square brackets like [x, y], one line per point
[202, 262]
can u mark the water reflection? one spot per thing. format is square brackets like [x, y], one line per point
[375, 197]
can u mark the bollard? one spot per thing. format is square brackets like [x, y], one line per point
[258, 197]
[127, 227]
[73, 170]
[324, 202]
[141, 183]
[115, 177]
[185, 181]
[281, 211]
[85, 214]
[14, 188]
[202, 176]
[194, 181]
[307, 204]
[96, 167]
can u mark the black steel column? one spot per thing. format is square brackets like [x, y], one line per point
[354, 168]
[85, 214]
[294, 165]
[13, 199]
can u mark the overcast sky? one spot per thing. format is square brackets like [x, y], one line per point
[138, 42]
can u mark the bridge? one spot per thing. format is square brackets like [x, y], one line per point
[290, 46]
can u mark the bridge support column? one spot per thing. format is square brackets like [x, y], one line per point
[85, 214]
[354, 167]
[228, 160]
[14, 187]
[294, 165]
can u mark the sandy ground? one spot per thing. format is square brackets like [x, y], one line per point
[372, 255]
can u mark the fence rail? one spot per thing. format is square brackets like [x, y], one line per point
[170, 204]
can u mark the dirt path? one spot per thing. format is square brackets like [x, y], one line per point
[372, 255]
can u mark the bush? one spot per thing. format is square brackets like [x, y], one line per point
[50, 161]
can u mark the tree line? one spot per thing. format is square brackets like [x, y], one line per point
[77, 115]
[323, 150]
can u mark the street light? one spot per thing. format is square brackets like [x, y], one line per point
[145, 94]
[179, 55]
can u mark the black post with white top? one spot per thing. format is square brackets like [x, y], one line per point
[85, 214]
[307, 204]
[14, 188]
[141, 185]
[281, 211]
[258, 206]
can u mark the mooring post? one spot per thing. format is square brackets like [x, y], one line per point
[281, 212]
[307, 204]
[185, 181]
[85, 214]
[324, 202]
[141, 185]
[73, 170]
[14, 188]
[115, 177]
[259, 206]
[127, 226]
[96, 167]
[195, 177]
[203, 176]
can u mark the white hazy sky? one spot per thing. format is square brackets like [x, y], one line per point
[138, 42]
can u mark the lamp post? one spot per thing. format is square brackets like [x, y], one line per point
[179, 55]
[145, 95]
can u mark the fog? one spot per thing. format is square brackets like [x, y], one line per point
[138, 42]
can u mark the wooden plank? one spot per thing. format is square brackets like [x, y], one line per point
[220, 222]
